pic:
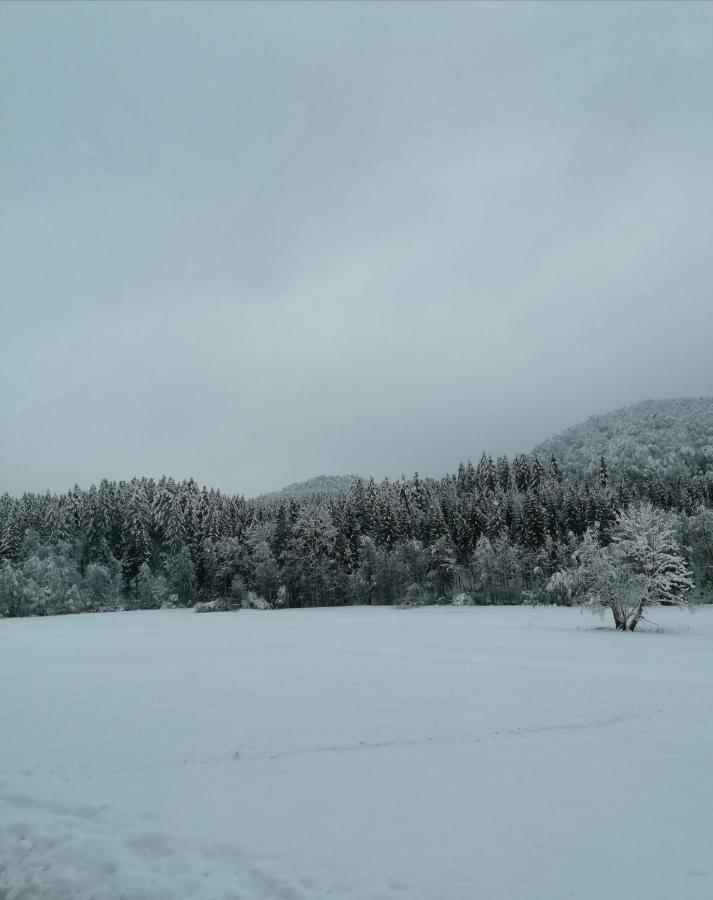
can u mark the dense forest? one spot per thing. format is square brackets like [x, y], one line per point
[494, 532]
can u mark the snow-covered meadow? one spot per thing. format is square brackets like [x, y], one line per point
[356, 753]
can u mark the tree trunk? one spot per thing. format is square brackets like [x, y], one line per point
[635, 619]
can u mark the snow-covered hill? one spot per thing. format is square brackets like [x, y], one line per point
[654, 434]
[319, 486]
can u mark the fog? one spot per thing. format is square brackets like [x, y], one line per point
[254, 243]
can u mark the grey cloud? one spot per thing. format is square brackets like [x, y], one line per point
[251, 243]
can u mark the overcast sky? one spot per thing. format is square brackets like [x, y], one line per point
[255, 243]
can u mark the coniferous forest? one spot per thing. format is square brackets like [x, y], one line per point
[490, 533]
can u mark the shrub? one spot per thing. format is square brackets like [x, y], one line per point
[210, 606]
[252, 601]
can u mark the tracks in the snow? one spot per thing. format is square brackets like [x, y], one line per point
[238, 756]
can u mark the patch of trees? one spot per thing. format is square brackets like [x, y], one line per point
[495, 532]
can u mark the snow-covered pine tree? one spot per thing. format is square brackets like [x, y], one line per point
[504, 473]
[521, 472]
[533, 521]
[137, 537]
[537, 474]
[603, 472]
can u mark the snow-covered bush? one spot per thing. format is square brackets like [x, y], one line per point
[253, 601]
[561, 586]
[206, 607]
[463, 599]
[226, 604]
[220, 604]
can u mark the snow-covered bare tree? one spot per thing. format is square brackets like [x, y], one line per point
[641, 567]
[645, 539]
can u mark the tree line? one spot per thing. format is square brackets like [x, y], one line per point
[495, 532]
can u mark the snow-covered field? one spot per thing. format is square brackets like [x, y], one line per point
[356, 753]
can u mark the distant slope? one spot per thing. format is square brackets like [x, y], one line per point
[654, 434]
[319, 486]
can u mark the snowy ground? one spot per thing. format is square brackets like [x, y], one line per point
[356, 753]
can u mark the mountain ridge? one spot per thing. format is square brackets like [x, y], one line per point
[655, 434]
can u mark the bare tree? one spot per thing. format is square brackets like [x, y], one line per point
[641, 567]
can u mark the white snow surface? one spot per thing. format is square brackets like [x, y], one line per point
[364, 753]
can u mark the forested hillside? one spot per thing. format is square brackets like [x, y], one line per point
[319, 486]
[654, 435]
[496, 531]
